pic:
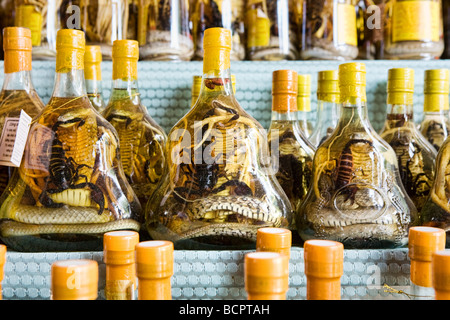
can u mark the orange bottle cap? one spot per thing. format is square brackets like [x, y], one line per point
[217, 37]
[324, 258]
[70, 46]
[2, 260]
[70, 38]
[125, 49]
[274, 239]
[17, 46]
[93, 54]
[441, 271]
[217, 48]
[125, 55]
[284, 90]
[74, 280]
[423, 241]
[119, 247]
[154, 259]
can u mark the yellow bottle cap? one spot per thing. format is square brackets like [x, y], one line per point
[125, 55]
[266, 274]
[352, 81]
[400, 86]
[3, 251]
[217, 37]
[154, 259]
[304, 93]
[328, 86]
[436, 90]
[441, 274]
[423, 241]
[70, 46]
[74, 280]
[92, 62]
[17, 47]
[274, 239]
[119, 247]
[284, 90]
[217, 48]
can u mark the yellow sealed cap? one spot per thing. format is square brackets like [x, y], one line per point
[423, 241]
[400, 80]
[324, 258]
[352, 73]
[70, 38]
[441, 270]
[304, 85]
[274, 239]
[217, 37]
[328, 86]
[125, 49]
[17, 38]
[436, 81]
[74, 280]
[266, 264]
[154, 259]
[93, 54]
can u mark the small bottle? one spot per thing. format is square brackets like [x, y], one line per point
[197, 85]
[324, 267]
[435, 125]
[74, 280]
[274, 239]
[304, 103]
[423, 242]
[93, 76]
[119, 258]
[154, 269]
[414, 30]
[327, 106]
[3, 251]
[440, 270]
[414, 153]
[18, 93]
[142, 140]
[266, 275]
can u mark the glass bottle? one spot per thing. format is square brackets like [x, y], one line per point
[6, 18]
[18, 92]
[370, 20]
[274, 240]
[3, 251]
[220, 187]
[423, 242]
[288, 145]
[440, 267]
[414, 29]
[119, 259]
[70, 188]
[219, 13]
[142, 140]
[435, 125]
[163, 30]
[271, 35]
[42, 18]
[266, 275]
[304, 104]
[327, 106]
[414, 153]
[324, 267]
[328, 30]
[356, 195]
[93, 76]
[154, 269]
[74, 280]
[446, 24]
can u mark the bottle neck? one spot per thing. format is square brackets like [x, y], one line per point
[69, 84]
[216, 82]
[125, 89]
[399, 115]
[289, 116]
[20, 80]
[435, 103]
[354, 115]
[327, 113]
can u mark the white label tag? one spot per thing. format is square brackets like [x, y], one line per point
[13, 139]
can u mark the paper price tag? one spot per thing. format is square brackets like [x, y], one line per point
[13, 139]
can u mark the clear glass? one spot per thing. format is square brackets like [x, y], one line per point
[271, 30]
[370, 21]
[328, 30]
[70, 188]
[17, 94]
[435, 127]
[425, 36]
[293, 156]
[95, 93]
[305, 124]
[220, 187]
[415, 154]
[42, 18]
[326, 121]
[163, 30]
[142, 140]
[227, 14]
[422, 293]
[356, 195]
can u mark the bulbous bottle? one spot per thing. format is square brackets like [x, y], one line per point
[18, 92]
[70, 188]
[356, 195]
[220, 188]
[435, 125]
[414, 153]
[93, 76]
[304, 103]
[142, 140]
[327, 106]
[291, 151]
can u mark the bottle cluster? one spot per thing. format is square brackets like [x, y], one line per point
[261, 29]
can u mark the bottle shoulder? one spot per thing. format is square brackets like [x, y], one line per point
[13, 101]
